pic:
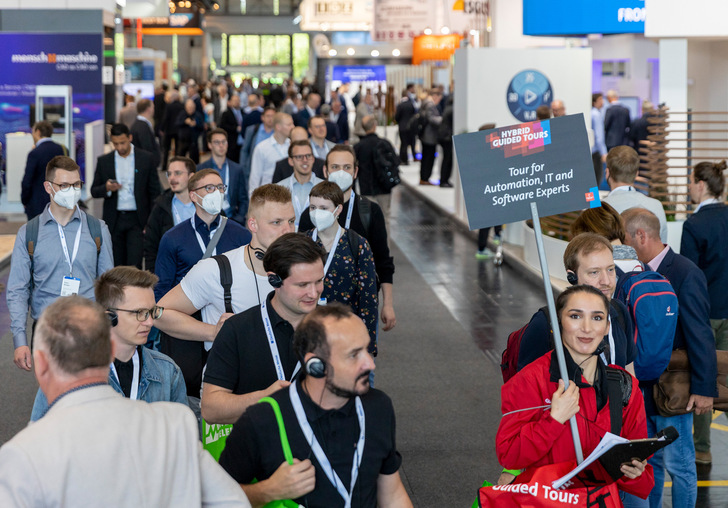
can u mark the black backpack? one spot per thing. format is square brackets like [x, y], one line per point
[386, 165]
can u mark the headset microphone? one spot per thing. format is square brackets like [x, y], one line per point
[604, 346]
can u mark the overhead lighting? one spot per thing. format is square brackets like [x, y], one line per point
[395, 52]
[297, 19]
[375, 52]
[188, 4]
[333, 52]
[445, 30]
[181, 3]
[215, 6]
[350, 51]
[324, 26]
[428, 31]
[473, 32]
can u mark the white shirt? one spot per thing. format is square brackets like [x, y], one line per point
[125, 176]
[263, 164]
[300, 192]
[202, 286]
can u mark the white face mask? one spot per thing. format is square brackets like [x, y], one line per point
[323, 219]
[67, 198]
[212, 202]
[342, 178]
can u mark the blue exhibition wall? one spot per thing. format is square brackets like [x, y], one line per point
[581, 17]
[31, 59]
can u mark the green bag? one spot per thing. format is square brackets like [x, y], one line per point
[214, 438]
[284, 503]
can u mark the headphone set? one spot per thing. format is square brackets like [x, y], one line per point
[571, 278]
[274, 280]
[316, 367]
[259, 253]
[113, 317]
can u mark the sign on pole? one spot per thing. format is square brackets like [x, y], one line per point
[526, 170]
[504, 170]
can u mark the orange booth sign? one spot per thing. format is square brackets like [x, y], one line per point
[434, 47]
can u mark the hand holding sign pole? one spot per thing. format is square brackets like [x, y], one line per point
[513, 173]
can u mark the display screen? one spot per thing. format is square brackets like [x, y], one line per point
[581, 17]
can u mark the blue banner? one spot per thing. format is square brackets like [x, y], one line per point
[27, 60]
[581, 17]
[349, 73]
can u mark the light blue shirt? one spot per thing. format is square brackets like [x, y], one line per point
[180, 211]
[125, 169]
[50, 267]
[300, 192]
[262, 134]
[597, 125]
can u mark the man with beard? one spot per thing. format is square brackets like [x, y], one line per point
[341, 433]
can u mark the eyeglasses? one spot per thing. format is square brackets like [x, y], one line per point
[212, 188]
[143, 314]
[176, 173]
[303, 157]
[219, 142]
[65, 186]
[347, 167]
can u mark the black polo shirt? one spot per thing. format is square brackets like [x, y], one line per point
[240, 359]
[253, 449]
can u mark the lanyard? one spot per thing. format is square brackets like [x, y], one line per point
[330, 258]
[177, 216]
[76, 243]
[273, 345]
[612, 351]
[199, 238]
[134, 391]
[226, 168]
[351, 209]
[297, 202]
[318, 451]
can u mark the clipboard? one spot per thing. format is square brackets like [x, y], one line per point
[639, 449]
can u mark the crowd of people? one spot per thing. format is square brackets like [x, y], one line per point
[253, 292]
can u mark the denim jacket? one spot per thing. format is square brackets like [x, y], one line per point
[160, 380]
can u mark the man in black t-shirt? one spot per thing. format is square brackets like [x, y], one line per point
[341, 433]
[252, 355]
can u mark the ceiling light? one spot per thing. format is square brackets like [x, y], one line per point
[445, 30]
[395, 52]
[428, 31]
[375, 52]
[350, 51]
[333, 52]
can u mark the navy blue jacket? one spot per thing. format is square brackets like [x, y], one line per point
[238, 191]
[32, 194]
[616, 126]
[693, 326]
[179, 249]
[704, 243]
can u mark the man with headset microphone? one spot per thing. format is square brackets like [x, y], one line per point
[341, 432]
[253, 356]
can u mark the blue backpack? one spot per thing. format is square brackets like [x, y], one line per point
[652, 303]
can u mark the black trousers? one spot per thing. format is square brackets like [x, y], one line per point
[597, 161]
[166, 147]
[428, 161]
[127, 239]
[446, 166]
[191, 357]
[189, 145]
[407, 140]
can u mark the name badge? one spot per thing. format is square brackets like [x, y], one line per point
[70, 286]
[322, 301]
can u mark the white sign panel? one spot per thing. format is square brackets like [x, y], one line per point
[337, 15]
[461, 16]
[402, 20]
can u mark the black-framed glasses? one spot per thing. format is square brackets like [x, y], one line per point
[303, 157]
[143, 314]
[212, 188]
[65, 186]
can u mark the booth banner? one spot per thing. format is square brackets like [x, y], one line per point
[27, 60]
[336, 15]
[349, 73]
[402, 20]
[504, 170]
[577, 17]
[465, 15]
[434, 47]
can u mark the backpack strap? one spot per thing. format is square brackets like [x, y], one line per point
[94, 227]
[620, 316]
[226, 280]
[365, 213]
[281, 428]
[619, 390]
[353, 245]
[31, 240]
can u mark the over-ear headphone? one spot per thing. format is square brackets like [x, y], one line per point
[316, 367]
[113, 317]
[572, 278]
[259, 253]
[275, 280]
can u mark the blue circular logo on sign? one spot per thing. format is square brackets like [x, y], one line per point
[527, 91]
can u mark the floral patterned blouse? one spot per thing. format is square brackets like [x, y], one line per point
[352, 280]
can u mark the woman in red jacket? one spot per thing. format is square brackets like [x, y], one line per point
[532, 434]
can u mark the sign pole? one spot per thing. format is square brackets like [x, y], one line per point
[558, 346]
